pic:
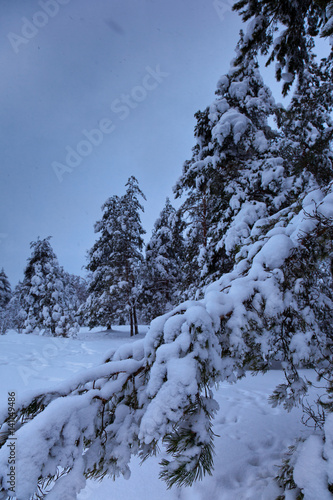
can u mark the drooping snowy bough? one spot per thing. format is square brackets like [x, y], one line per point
[159, 389]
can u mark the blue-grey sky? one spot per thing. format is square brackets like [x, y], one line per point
[137, 71]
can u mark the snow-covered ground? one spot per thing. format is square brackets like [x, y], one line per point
[251, 435]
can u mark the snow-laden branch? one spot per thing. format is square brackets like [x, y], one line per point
[152, 389]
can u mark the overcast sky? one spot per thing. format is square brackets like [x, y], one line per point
[137, 71]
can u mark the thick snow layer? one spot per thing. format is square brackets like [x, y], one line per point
[325, 208]
[274, 252]
[232, 121]
[251, 436]
[310, 471]
[244, 220]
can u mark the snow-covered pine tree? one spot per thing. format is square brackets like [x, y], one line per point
[76, 289]
[80, 288]
[45, 304]
[235, 171]
[100, 308]
[5, 289]
[75, 295]
[305, 337]
[129, 255]
[15, 313]
[162, 271]
[5, 296]
[114, 261]
[195, 213]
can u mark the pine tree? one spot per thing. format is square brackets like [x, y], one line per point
[100, 308]
[15, 313]
[235, 159]
[76, 290]
[45, 304]
[115, 259]
[195, 213]
[5, 289]
[129, 253]
[5, 296]
[162, 272]
[75, 294]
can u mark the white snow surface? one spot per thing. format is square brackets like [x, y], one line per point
[251, 436]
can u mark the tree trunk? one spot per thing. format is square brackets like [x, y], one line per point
[204, 220]
[131, 321]
[136, 329]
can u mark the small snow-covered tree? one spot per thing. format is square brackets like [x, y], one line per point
[75, 293]
[5, 289]
[45, 304]
[79, 285]
[15, 313]
[5, 296]
[162, 272]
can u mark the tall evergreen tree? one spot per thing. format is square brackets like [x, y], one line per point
[235, 159]
[45, 303]
[129, 253]
[195, 213]
[115, 260]
[162, 272]
[100, 308]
